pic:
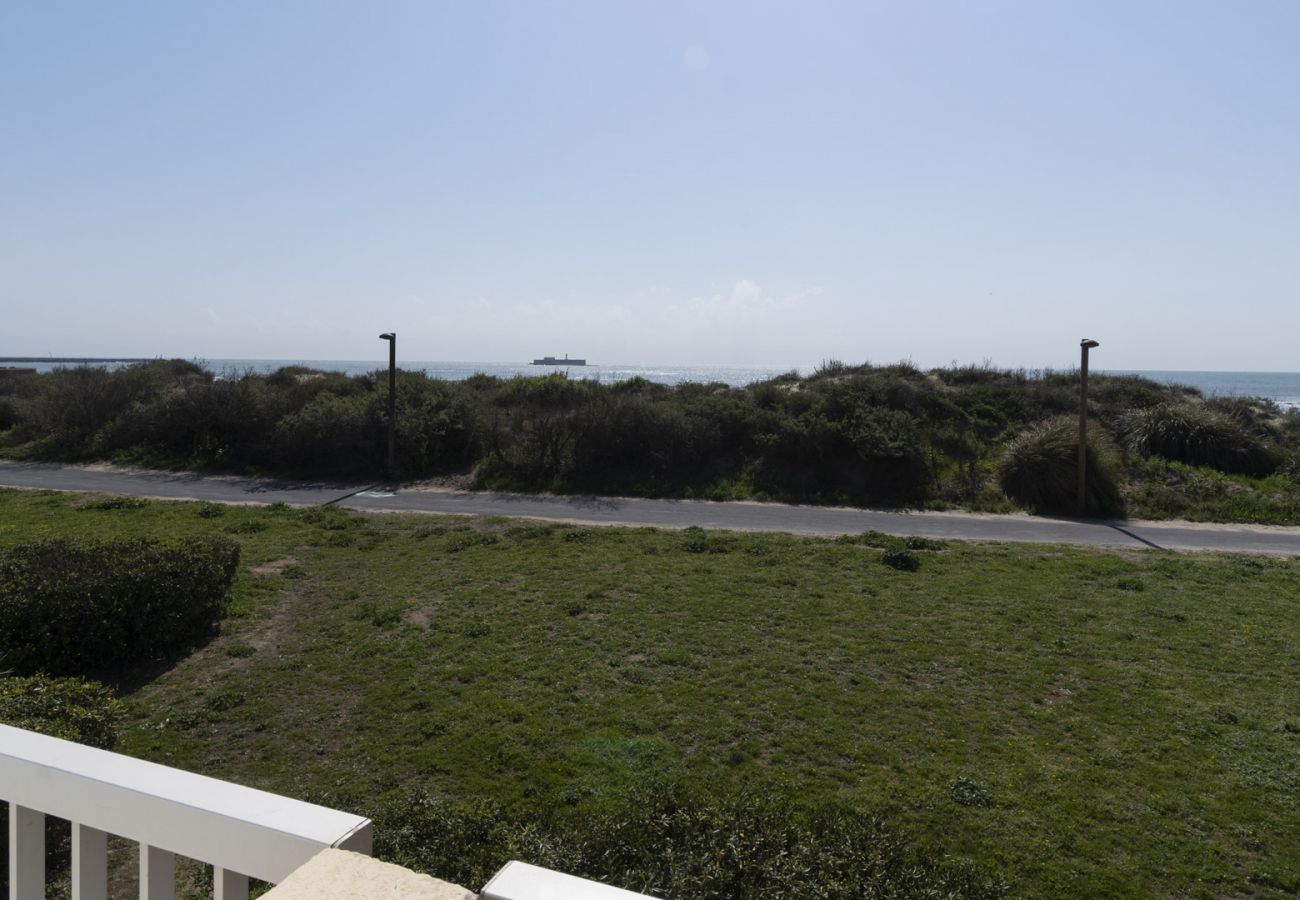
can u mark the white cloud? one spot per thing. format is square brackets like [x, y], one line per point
[746, 300]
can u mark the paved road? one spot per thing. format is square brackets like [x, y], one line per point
[822, 520]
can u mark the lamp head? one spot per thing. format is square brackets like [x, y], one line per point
[1088, 344]
[388, 336]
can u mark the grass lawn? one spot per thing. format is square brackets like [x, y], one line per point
[1081, 723]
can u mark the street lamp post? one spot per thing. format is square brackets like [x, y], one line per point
[391, 337]
[1084, 346]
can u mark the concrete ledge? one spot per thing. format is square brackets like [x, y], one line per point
[344, 875]
[523, 881]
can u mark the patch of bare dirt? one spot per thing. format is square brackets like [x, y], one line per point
[276, 566]
[1062, 688]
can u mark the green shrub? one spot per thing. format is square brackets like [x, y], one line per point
[70, 708]
[112, 503]
[76, 607]
[969, 792]
[332, 433]
[1290, 469]
[902, 559]
[67, 708]
[80, 411]
[665, 842]
[8, 413]
[916, 542]
[435, 425]
[1199, 435]
[1040, 469]
[696, 540]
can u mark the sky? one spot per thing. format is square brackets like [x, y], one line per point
[730, 183]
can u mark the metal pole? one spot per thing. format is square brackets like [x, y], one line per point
[392, 405]
[1084, 346]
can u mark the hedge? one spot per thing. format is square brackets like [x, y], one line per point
[80, 607]
[68, 708]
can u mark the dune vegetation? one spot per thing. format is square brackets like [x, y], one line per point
[964, 437]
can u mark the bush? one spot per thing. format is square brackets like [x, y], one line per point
[665, 842]
[68, 708]
[8, 413]
[696, 540]
[111, 503]
[1199, 435]
[1040, 469]
[434, 425]
[73, 411]
[208, 510]
[332, 433]
[902, 559]
[76, 607]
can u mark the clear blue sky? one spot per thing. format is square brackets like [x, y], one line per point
[701, 182]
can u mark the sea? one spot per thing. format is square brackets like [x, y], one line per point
[1283, 388]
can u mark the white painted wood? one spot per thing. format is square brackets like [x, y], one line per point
[523, 881]
[228, 885]
[157, 873]
[89, 863]
[253, 832]
[26, 853]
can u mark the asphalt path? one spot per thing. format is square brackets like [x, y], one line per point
[737, 516]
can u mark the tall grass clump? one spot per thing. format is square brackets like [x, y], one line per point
[1199, 435]
[1040, 469]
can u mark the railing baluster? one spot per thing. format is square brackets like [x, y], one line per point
[26, 853]
[247, 833]
[229, 885]
[157, 874]
[89, 863]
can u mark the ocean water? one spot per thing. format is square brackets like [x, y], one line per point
[1282, 388]
[735, 376]
[457, 371]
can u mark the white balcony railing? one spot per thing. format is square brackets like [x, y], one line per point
[242, 832]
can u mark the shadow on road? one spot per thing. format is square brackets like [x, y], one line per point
[1101, 523]
[1137, 537]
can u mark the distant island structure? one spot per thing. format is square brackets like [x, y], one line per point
[552, 361]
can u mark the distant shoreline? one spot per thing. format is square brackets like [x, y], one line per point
[74, 359]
